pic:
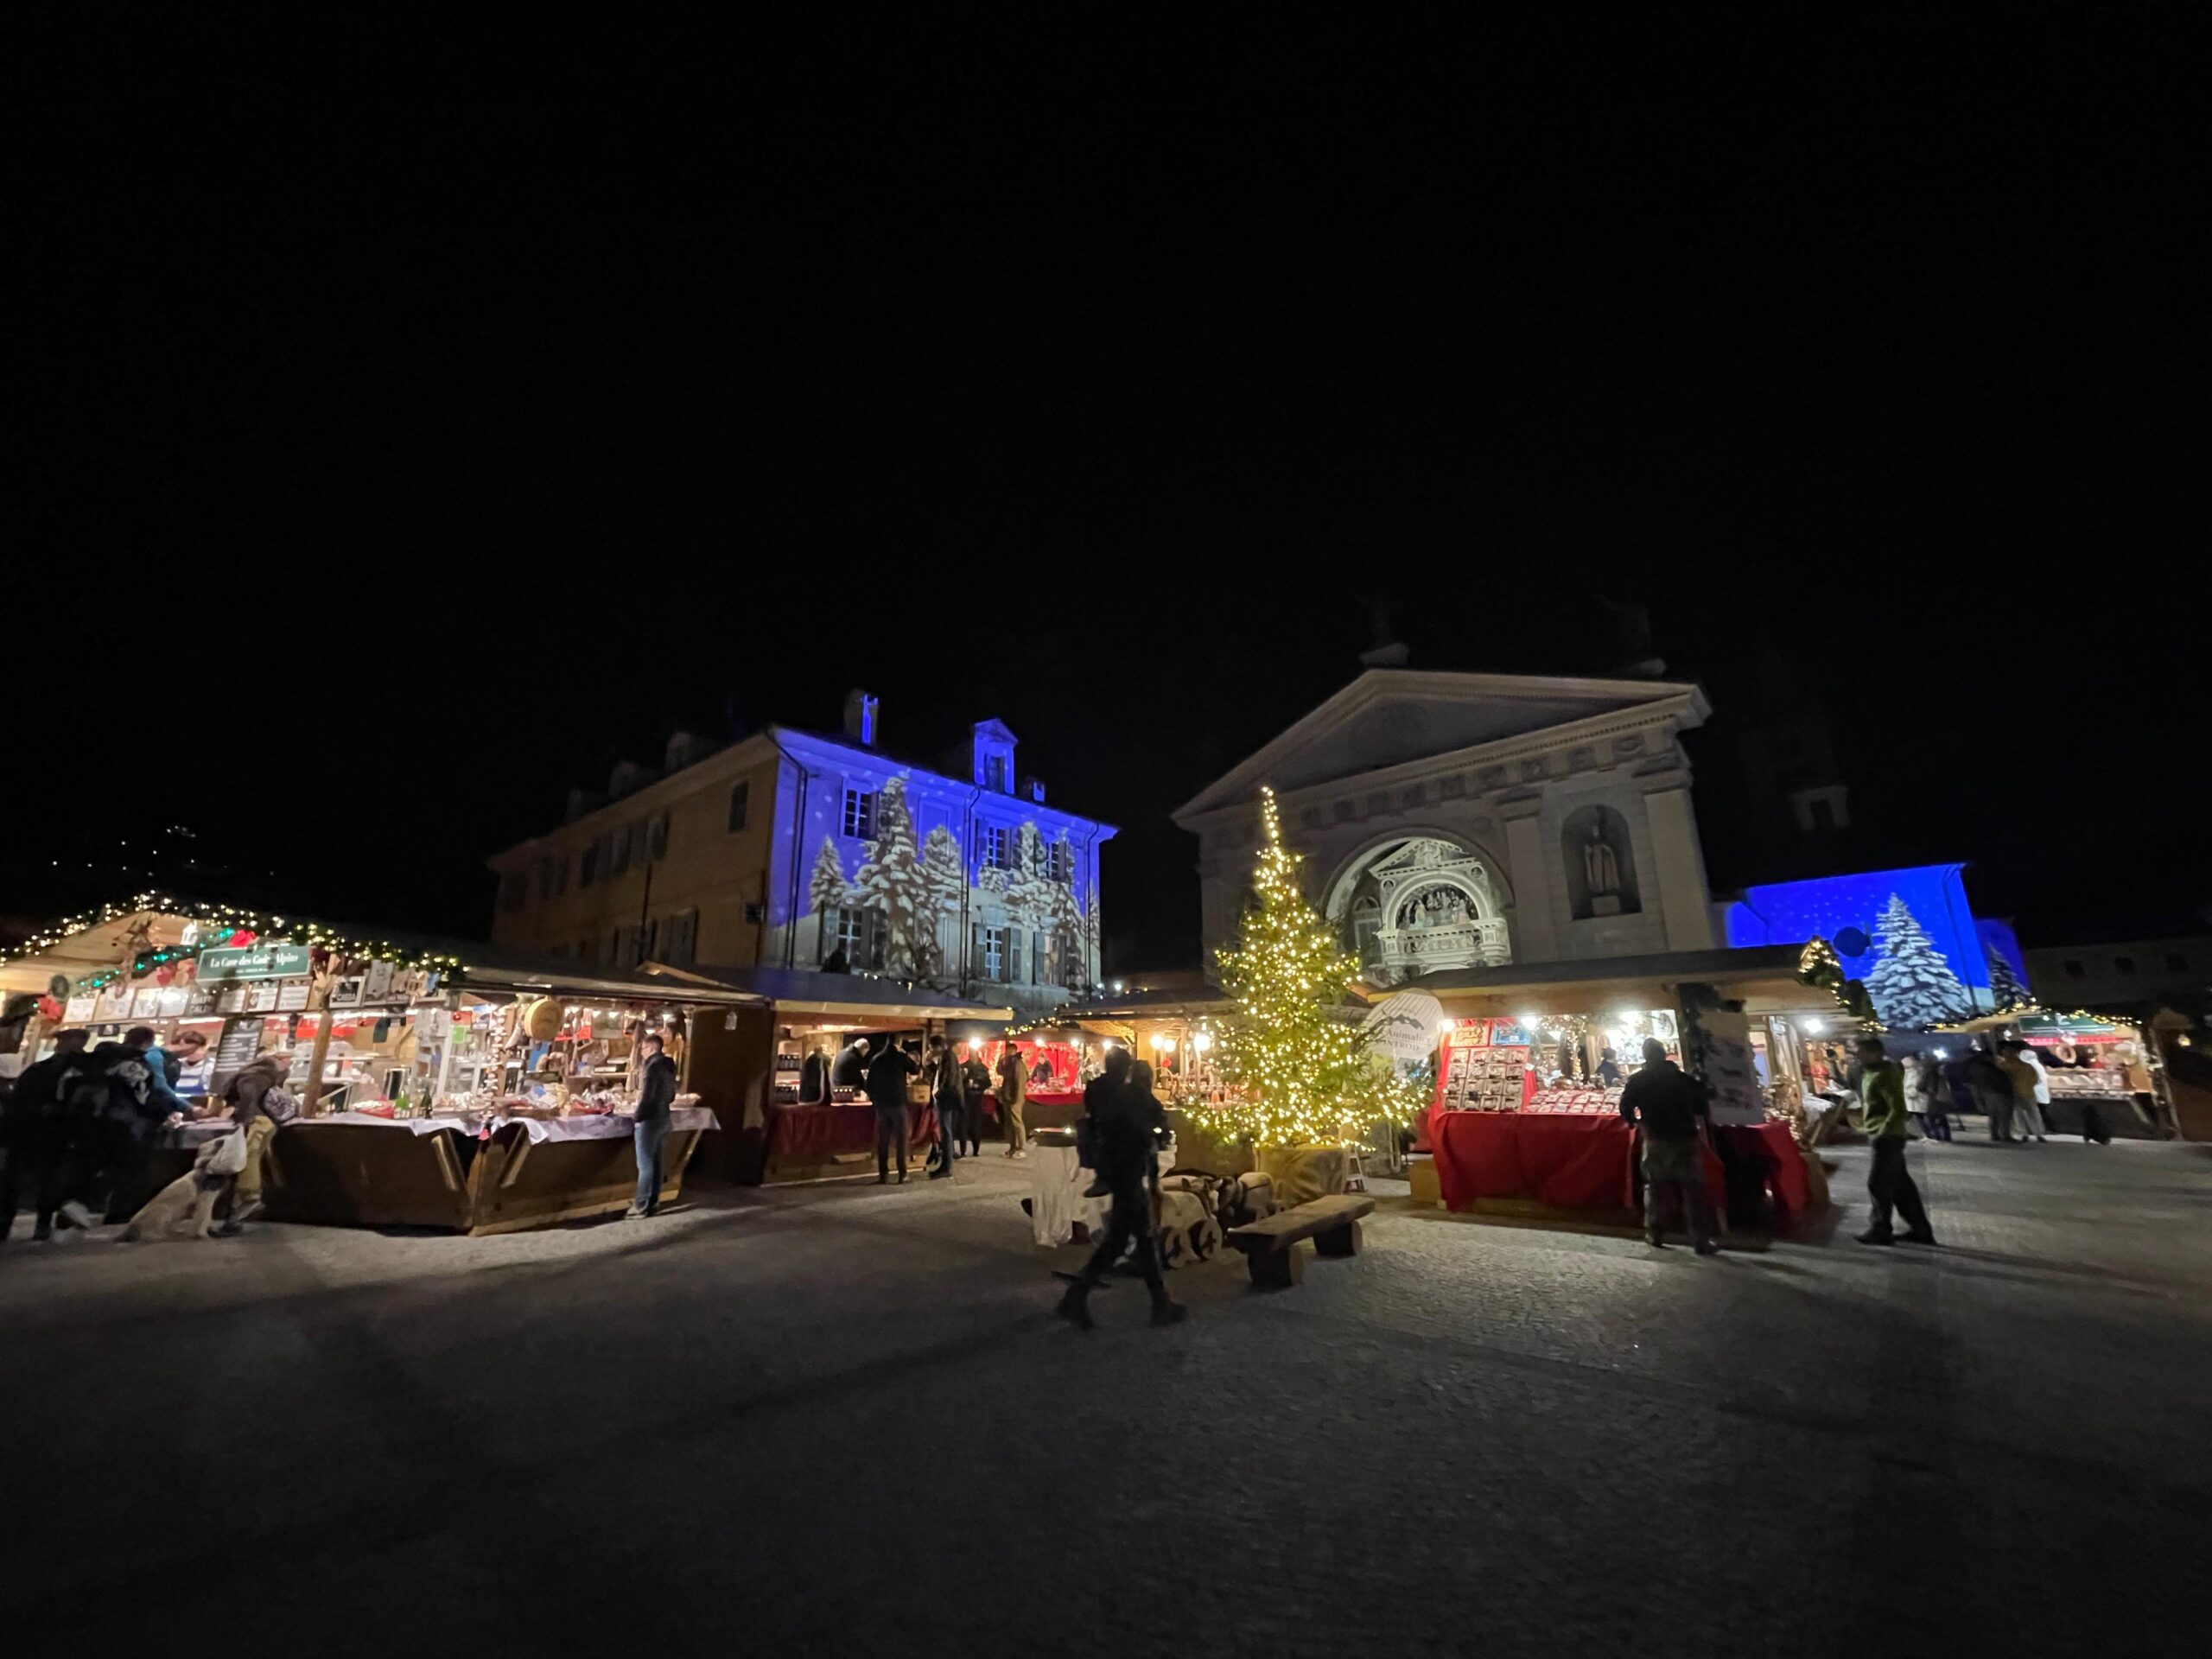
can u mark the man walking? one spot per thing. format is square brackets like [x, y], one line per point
[1888, 1180]
[1667, 1106]
[1013, 1100]
[886, 1090]
[1126, 1123]
[655, 1094]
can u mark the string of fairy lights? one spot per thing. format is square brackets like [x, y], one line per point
[225, 924]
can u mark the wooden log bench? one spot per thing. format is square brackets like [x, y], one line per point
[1270, 1245]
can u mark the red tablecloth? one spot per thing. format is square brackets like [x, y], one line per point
[825, 1131]
[1772, 1145]
[1587, 1161]
[1571, 1161]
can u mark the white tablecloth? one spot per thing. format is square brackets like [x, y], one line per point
[1056, 1183]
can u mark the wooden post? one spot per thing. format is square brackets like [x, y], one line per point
[312, 1106]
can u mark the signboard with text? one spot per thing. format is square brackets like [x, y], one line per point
[232, 961]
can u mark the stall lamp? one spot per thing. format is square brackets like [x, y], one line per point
[1444, 1028]
[1942, 1054]
[1814, 1028]
[1528, 1021]
[1203, 1041]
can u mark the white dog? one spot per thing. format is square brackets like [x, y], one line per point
[191, 1195]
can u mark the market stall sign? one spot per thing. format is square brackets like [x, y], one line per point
[256, 962]
[2055, 1027]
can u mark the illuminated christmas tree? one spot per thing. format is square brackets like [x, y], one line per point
[1301, 1066]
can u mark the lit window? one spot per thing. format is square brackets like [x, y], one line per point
[991, 848]
[994, 953]
[995, 773]
[847, 933]
[860, 814]
[740, 796]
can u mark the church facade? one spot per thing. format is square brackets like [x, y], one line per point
[1453, 820]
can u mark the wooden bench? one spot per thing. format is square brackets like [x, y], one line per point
[1270, 1245]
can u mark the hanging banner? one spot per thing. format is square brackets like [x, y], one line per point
[1403, 1026]
[1731, 1082]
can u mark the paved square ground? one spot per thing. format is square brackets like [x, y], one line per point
[843, 1421]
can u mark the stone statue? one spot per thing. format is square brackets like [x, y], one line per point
[1600, 866]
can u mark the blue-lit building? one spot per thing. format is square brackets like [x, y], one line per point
[799, 849]
[1910, 935]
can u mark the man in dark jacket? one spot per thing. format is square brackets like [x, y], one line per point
[975, 1083]
[126, 1089]
[949, 1096]
[1668, 1107]
[1127, 1122]
[655, 1094]
[36, 1142]
[849, 1069]
[886, 1090]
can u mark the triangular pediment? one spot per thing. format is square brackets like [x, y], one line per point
[1390, 716]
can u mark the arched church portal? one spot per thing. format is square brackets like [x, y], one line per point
[1418, 907]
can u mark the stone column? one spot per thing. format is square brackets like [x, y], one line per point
[1532, 879]
[1684, 901]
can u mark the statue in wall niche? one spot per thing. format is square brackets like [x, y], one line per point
[1599, 866]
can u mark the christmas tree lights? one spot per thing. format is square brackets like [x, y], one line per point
[1305, 1074]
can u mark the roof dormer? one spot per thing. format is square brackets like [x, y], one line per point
[994, 757]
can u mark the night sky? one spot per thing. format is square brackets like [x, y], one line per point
[424, 422]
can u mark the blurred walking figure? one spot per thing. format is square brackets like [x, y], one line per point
[1888, 1180]
[1991, 1090]
[1128, 1122]
[1668, 1107]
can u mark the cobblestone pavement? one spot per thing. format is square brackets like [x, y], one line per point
[843, 1420]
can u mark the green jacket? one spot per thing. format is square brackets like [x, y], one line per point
[1882, 1088]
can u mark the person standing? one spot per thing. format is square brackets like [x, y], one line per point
[2021, 1078]
[948, 1097]
[1013, 1101]
[1099, 1096]
[656, 1094]
[1609, 1068]
[36, 1141]
[196, 1068]
[134, 1103]
[2037, 1118]
[1987, 1082]
[259, 1104]
[975, 1083]
[849, 1069]
[1667, 1106]
[1924, 1097]
[886, 1083]
[1126, 1122]
[1890, 1184]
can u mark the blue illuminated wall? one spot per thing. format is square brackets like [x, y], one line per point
[1847, 910]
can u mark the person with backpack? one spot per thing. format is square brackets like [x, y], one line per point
[1127, 1122]
[36, 1141]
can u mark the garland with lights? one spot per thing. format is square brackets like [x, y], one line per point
[1305, 1073]
[230, 922]
[1819, 965]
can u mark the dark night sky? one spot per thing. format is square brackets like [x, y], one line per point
[423, 421]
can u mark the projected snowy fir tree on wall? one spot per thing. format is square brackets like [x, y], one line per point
[1911, 983]
[916, 894]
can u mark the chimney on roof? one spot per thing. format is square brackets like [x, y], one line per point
[860, 716]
